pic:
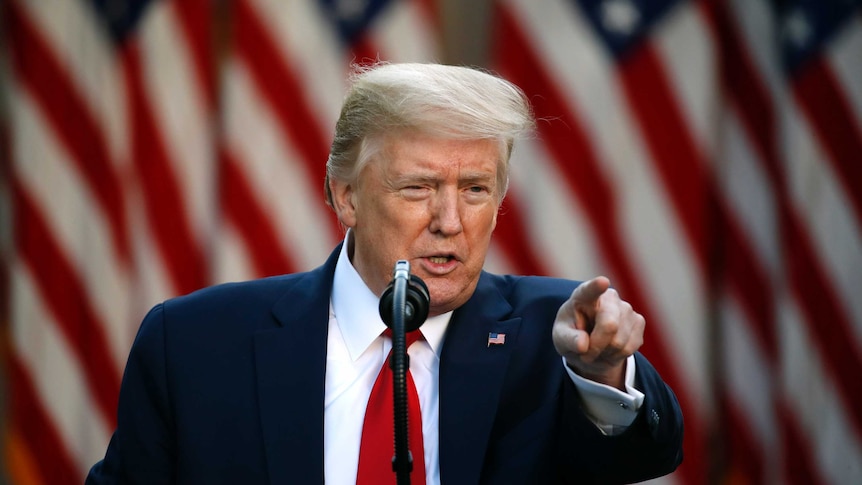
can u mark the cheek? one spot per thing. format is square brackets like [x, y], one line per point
[395, 227]
[483, 219]
[376, 214]
[401, 217]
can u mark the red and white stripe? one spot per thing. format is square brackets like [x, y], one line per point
[124, 195]
[723, 199]
[110, 181]
[283, 76]
[724, 205]
[809, 359]
[638, 219]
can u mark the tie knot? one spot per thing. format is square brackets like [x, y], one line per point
[410, 337]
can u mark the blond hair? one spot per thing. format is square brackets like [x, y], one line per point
[439, 100]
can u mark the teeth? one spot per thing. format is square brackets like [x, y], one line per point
[438, 259]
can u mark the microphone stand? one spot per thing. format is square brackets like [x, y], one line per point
[404, 305]
[402, 462]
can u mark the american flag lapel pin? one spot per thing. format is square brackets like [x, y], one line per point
[496, 339]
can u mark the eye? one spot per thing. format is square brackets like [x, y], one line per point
[414, 191]
[477, 193]
[478, 189]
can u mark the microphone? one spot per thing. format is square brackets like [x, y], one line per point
[403, 307]
[416, 302]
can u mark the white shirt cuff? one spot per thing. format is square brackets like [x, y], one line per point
[612, 410]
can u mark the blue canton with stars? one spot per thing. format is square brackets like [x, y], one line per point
[352, 17]
[808, 25]
[120, 17]
[622, 24]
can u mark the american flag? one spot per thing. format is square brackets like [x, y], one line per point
[496, 339]
[155, 147]
[110, 121]
[706, 155]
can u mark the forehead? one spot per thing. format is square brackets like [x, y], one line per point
[416, 152]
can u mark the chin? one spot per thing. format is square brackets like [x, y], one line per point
[443, 305]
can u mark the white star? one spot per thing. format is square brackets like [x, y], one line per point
[619, 16]
[349, 10]
[797, 29]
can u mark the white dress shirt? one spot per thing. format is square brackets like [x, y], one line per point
[356, 351]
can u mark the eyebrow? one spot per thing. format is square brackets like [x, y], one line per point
[476, 177]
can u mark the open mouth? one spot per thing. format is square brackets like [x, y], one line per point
[440, 259]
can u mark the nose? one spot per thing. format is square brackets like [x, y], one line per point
[445, 214]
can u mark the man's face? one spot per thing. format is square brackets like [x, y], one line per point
[427, 200]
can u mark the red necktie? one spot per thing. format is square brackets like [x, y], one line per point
[378, 435]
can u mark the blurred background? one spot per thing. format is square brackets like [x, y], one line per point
[705, 155]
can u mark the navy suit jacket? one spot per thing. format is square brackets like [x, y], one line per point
[226, 385]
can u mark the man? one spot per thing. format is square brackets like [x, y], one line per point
[267, 381]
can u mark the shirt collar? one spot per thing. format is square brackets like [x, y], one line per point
[355, 308]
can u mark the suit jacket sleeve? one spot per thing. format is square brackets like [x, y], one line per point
[142, 449]
[650, 447]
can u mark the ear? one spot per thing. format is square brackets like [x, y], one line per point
[343, 202]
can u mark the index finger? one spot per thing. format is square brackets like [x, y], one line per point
[588, 292]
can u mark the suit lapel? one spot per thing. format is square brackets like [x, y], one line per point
[471, 378]
[291, 363]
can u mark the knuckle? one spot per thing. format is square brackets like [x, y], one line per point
[611, 327]
[634, 344]
[618, 343]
